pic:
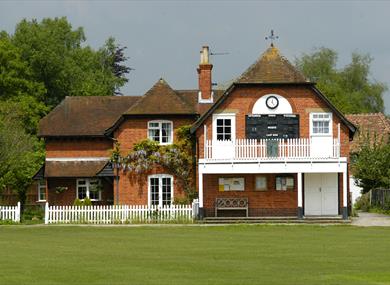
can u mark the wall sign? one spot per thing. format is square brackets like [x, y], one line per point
[272, 126]
[231, 184]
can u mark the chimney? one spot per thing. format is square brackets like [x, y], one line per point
[204, 72]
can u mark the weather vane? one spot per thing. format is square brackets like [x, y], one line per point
[272, 37]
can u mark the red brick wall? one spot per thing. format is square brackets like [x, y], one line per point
[78, 147]
[302, 99]
[261, 203]
[204, 72]
[133, 189]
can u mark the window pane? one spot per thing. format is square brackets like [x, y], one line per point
[166, 191]
[154, 191]
[219, 137]
[219, 122]
[228, 122]
[82, 192]
[154, 135]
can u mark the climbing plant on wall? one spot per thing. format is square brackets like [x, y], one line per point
[178, 159]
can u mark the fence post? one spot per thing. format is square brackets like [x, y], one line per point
[17, 216]
[195, 209]
[46, 213]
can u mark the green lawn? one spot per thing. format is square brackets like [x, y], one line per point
[241, 254]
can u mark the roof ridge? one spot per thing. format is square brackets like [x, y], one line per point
[271, 67]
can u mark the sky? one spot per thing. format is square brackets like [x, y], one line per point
[163, 38]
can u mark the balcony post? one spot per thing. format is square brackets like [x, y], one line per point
[300, 195]
[345, 192]
[200, 187]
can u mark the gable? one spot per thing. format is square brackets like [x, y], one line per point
[246, 95]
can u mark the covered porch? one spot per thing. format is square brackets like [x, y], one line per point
[290, 189]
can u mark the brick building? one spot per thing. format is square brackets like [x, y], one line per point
[271, 143]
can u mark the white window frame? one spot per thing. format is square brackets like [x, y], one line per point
[230, 116]
[160, 199]
[160, 122]
[87, 185]
[322, 119]
[41, 187]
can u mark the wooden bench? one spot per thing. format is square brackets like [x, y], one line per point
[231, 204]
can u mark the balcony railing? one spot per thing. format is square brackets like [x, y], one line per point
[272, 149]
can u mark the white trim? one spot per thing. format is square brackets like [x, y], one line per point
[204, 101]
[324, 166]
[160, 122]
[40, 186]
[345, 186]
[300, 189]
[330, 134]
[77, 158]
[231, 116]
[87, 185]
[159, 176]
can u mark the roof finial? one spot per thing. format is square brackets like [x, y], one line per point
[272, 37]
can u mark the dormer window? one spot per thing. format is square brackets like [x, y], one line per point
[160, 131]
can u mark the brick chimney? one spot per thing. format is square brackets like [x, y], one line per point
[204, 73]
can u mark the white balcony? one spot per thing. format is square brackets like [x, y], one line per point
[318, 148]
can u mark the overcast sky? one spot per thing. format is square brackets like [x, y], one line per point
[164, 37]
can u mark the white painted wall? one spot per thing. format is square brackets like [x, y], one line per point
[355, 190]
[260, 106]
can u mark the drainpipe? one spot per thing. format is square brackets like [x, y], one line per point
[117, 185]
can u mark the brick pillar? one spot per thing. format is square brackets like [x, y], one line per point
[204, 76]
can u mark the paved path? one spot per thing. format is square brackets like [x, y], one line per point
[371, 219]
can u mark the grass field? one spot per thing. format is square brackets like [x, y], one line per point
[194, 255]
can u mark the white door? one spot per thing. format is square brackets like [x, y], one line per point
[321, 194]
[224, 133]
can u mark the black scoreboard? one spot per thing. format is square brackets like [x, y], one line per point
[272, 126]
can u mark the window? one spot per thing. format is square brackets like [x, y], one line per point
[160, 131]
[224, 127]
[321, 123]
[41, 191]
[261, 183]
[284, 183]
[89, 188]
[160, 190]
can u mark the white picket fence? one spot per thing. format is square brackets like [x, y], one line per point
[11, 213]
[115, 214]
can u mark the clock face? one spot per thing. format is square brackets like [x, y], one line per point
[272, 102]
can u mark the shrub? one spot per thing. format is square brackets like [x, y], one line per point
[33, 213]
[363, 203]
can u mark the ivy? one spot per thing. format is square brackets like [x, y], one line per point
[178, 159]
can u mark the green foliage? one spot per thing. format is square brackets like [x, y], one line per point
[363, 203]
[58, 58]
[33, 213]
[350, 88]
[372, 165]
[21, 154]
[84, 202]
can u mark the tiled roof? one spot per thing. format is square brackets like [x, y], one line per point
[84, 115]
[272, 67]
[162, 99]
[375, 125]
[73, 168]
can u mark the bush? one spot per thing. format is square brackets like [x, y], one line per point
[85, 202]
[33, 213]
[363, 203]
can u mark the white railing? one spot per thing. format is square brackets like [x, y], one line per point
[272, 149]
[115, 214]
[10, 213]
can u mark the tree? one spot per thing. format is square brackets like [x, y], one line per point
[21, 155]
[372, 165]
[59, 58]
[20, 93]
[349, 88]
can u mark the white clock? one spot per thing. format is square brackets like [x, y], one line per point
[272, 102]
